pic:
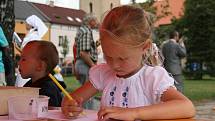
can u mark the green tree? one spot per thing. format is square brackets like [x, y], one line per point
[159, 33]
[7, 18]
[148, 6]
[65, 46]
[198, 26]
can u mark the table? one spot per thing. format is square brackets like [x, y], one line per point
[56, 115]
[183, 120]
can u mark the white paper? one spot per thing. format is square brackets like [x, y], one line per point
[17, 39]
[88, 115]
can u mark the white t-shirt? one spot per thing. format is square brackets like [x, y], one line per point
[142, 89]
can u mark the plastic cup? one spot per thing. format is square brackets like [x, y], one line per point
[28, 107]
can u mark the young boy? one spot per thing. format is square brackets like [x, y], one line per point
[38, 59]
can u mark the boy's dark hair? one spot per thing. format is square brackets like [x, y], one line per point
[48, 53]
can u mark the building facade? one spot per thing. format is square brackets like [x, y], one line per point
[174, 8]
[98, 7]
[63, 27]
[22, 10]
[62, 22]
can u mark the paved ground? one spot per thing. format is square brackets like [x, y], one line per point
[205, 110]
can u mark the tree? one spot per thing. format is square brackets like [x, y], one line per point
[65, 46]
[199, 28]
[7, 18]
[148, 6]
[159, 33]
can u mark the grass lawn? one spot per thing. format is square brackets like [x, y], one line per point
[200, 90]
[71, 83]
[196, 90]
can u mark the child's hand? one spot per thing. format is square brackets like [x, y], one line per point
[71, 108]
[118, 113]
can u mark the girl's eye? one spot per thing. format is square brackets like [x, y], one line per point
[122, 59]
[107, 57]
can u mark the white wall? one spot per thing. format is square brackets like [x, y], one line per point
[63, 30]
[69, 31]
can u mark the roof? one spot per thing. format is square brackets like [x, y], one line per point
[24, 9]
[175, 8]
[59, 15]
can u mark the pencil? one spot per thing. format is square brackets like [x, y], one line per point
[61, 88]
[64, 91]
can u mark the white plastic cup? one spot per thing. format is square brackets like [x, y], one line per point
[28, 107]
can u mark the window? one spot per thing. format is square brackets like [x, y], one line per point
[91, 7]
[78, 19]
[111, 6]
[60, 40]
[70, 18]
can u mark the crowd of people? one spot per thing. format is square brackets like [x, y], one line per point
[137, 79]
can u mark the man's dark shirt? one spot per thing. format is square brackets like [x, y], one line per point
[48, 88]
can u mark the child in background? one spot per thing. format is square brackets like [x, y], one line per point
[155, 57]
[38, 59]
[131, 89]
[36, 29]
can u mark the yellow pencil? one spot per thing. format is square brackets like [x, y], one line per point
[62, 89]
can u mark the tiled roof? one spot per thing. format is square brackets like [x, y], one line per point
[24, 9]
[59, 15]
[175, 8]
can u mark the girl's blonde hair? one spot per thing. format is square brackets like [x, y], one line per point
[128, 25]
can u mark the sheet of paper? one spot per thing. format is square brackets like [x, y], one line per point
[88, 115]
[17, 39]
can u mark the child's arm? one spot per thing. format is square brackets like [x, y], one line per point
[80, 95]
[174, 105]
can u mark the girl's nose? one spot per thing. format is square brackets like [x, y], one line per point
[115, 65]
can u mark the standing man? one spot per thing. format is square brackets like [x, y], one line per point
[3, 45]
[173, 51]
[86, 55]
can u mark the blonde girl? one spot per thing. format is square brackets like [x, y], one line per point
[131, 89]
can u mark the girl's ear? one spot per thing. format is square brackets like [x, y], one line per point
[146, 46]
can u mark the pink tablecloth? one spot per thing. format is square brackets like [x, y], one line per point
[89, 115]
